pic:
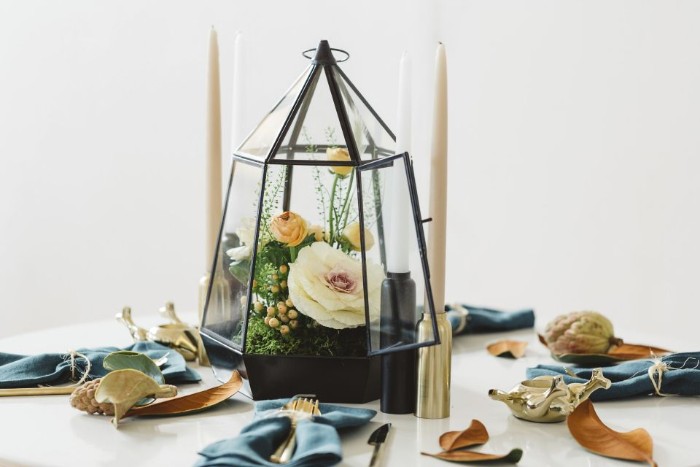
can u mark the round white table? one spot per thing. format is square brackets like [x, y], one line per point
[46, 431]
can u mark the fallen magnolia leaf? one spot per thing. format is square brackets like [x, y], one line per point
[192, 402]
[474, 435]
[507, 349]
[617, 353]
[591, 433]
[124, 388]
[470, 456]
[454, 442]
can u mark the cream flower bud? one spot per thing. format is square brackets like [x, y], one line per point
[339, 154]
[352, 235]
[317, 232]
[289, 228]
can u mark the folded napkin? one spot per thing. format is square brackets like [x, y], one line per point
[675, 374]
[19, 371]
[467, 319]
[318, 442]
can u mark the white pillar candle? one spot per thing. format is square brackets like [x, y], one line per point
[235, 211]
[399, 205]
[213, 148]
[237, 104]
[438, 183]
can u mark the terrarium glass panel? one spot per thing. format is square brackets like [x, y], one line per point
[392, 235]
[309, 296]
[258, 144]
[372, 137]
[227, 298]
[316, 126]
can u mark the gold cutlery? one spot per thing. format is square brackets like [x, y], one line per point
[296, 410]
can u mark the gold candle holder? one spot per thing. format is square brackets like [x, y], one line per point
[434, 369]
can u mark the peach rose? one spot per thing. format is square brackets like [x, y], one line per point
[289, 228]
[339, 154]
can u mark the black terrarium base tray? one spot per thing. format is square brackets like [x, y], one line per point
[353, 380]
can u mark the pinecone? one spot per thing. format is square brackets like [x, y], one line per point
[83, 398]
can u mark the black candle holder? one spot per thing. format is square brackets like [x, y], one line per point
[398, 312]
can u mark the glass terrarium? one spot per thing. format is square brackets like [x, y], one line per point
[320, 214]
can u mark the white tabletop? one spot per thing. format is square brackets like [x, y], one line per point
[46, 431]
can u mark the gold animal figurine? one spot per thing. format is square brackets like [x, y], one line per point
[182, 337]
[548, 399]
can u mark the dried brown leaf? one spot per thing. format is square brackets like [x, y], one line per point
[507, 348]
[470, 456]
[591, 433]
[472, 436]
[636, 351]
[192, 402]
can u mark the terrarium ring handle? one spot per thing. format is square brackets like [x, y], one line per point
[346, 55]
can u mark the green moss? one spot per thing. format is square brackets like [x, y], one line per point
[313, 340]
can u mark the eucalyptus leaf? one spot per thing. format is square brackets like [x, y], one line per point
[124, 388]
[126, 359]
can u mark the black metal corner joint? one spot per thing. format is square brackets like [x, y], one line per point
[324, 55]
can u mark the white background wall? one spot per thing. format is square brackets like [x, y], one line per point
[573, 146]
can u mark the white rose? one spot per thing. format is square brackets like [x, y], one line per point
[246, 235]
[240, 253]
[246, 232]
[326, 284]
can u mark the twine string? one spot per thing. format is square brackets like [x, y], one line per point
[656, 375]
[659, 367]
[74, 367]
[73, 356]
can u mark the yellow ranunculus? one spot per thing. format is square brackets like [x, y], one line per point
[289, 228]
[339, 154]
[352, 235]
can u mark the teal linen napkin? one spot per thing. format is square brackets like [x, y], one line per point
[674, 374]
[468, 319]
[318, 442]
[21, 371]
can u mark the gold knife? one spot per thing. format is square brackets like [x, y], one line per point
[376, 439]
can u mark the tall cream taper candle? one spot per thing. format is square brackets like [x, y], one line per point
[438, 183]
[434, 363]
[213, 142]
[213, 173]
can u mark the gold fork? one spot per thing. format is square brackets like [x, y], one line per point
[300, 409]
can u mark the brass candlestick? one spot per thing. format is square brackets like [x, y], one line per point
[434, 369]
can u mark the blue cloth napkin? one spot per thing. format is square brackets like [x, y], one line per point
[318, 442]
[467, 319]
[20, 371]
[674, 374]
